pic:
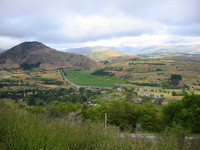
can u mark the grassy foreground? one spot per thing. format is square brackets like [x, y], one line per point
[22, 130]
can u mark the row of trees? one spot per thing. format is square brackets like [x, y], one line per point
[9, 82]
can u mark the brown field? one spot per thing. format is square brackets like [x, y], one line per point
[34, 78]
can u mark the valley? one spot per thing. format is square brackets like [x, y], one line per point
[100, 75]
[139, 94]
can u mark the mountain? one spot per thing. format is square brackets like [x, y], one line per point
[38, 53]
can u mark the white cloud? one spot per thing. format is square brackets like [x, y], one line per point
[65, 23]
[141, 41]
[8, 42]
[92, 27]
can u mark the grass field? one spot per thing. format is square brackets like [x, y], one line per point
[85, 78]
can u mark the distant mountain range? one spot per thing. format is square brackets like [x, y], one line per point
[37, 53]
[161, 49]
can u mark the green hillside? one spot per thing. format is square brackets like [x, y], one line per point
[105, 55]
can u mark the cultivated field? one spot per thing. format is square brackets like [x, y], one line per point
[85, 78]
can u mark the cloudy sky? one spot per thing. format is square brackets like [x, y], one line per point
[64, 24]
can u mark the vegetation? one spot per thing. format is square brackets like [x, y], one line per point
[126, 116]
[27, 65]
[185, 113]
[39, 131]
[8, 82]
[150, 117]
[102, 72]
[86, 78]
[22, 130]
[175, 79]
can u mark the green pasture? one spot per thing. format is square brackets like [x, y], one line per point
[85, 78]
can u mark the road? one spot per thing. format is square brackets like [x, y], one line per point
[75, 85]
[65, 78]
[152, 138]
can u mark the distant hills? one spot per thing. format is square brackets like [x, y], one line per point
[88, 50]
[38, 53]
[161, 49]
[111, 55]
[177, 57]
[103, 54]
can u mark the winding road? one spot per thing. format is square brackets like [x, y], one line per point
[75, 85]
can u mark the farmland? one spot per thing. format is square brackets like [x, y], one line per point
[148, 77]
[22, 79]
[85, 78]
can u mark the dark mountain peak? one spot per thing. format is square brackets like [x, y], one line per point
[38, 53]
[30, 46]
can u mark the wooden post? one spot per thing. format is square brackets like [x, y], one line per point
[105, 122]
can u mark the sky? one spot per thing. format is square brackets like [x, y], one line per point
[64, 24]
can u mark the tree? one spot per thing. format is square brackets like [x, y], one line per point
[175, 79]
[122, 114]
[28, 65]
[185, 113]
[31, 101]
[148, 118]
[174, 93]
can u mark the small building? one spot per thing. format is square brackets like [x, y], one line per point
[137, 100]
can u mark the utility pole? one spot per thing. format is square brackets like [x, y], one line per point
[105, 122]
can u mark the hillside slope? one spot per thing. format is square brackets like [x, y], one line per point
[36, 52]
[111, 55]
[104, 55]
